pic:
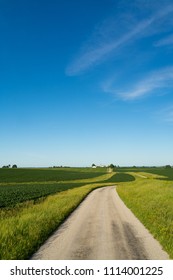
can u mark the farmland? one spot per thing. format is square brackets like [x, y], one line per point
[34, 202]
[47, 174]
[38, 183]
[14, 194]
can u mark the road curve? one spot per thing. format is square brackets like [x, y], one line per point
[101, 228]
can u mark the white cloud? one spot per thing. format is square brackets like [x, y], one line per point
[88, 59]
[166, 114]
[167, 41]
[161, 79]
[169, 115]
[96, 52]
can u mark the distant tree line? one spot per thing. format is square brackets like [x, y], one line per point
[8, 166]
[134, 166]
[167, 166]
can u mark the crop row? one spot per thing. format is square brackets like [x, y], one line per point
[10, 195]
[23, 175]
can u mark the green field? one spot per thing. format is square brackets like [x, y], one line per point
[34, 202]
[10, 195]
[47, 174]
[20, 189]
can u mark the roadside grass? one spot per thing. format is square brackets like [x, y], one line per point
[26, 227]
[151, 200]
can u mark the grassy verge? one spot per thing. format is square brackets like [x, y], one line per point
[151, 200]
[25, 228]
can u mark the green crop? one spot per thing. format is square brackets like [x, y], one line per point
[22, 175]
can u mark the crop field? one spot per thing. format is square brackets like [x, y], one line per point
[14, 193]
[58, 180]
[165, 173]
[10, 195]
[45, 175]
[34, 202]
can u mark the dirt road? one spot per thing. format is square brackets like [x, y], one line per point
[102, 227]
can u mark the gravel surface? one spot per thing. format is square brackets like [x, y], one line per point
[101, 228]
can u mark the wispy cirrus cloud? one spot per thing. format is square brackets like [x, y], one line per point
[169, 115]
[166, 41]
[97, 50]
[151, 84]
[97, 53]
[166, 114]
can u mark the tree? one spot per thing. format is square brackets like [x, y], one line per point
[111, 165]
[14, 166]
[167, 166]
[6, 166]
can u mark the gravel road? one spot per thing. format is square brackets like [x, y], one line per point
[101, 228]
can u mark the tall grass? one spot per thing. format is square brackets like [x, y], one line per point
[151, 200]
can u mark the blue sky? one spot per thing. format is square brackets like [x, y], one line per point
[85, 82]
